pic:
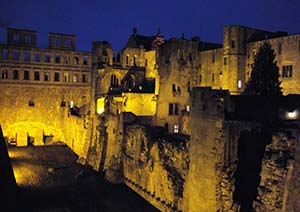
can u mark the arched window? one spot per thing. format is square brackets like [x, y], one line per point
[114, 82]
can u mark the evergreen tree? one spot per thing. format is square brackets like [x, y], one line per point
[265, 73]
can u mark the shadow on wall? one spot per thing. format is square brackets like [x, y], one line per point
[251, 150]
[8, 186]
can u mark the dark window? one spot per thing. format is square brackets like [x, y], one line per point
[26, 56]
[37, 57]
[279, 48]
[232, 44]
[190, 57]
[16, 37]
[200, 78]
[63, 103]
[84, 78]
[26, 75]
[4, 54]
[134, 60]
[189, 87]
[57, 58]
[225, 61]
[171, 108]
[67, 43]
[57, 41]
[178, 89]
[16, 75]
[56, 76]
[212, 77]
[146, 63]
[174, 88]
[27, 39]
[4, 74]
[85, 60]
[114, 82]
[16, 55]
[176, 109]
[36, 75]
[127, 60]
[47, 76]
[287, 71]
[76, 60]
[47, 57]
[67, 60]
[213, 58]
[31, 103]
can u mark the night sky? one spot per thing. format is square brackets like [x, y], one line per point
[113, 20]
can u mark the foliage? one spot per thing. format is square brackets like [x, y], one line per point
[265, 73]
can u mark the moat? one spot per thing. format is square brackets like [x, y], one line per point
[49, 179]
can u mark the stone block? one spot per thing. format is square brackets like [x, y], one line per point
[22, 138]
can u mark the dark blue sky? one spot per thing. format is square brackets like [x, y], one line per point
[113, 20]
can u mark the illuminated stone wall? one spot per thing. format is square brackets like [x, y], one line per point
[177, 60]
[279, 188]
[287, 51]
[155, 167]
[42, 114]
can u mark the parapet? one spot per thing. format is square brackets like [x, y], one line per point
[21, 37]
[61, 41]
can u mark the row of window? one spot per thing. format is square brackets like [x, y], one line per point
[46, 76]
[46, 57]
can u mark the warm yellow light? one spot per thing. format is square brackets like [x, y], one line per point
[292, 114]
[100, 105]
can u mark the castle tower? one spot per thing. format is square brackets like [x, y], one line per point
[102, 53]
[234, 59]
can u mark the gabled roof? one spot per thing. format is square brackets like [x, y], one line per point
[136, 41]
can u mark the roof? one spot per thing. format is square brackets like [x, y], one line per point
[135, 41]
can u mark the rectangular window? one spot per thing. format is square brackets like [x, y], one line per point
[176, 109]
[16, 37]
[27, 39]
[176, 128]
[47, 76]
[31, 103]
[57, 58]
[146, 63]
[287, 71]
[37, 75]
[37, 57]
[174, 88]
[16, 55]
[4, 74]
[56, 76]
[213, 58]
[26, 75]
[171, 108]
[66, 77]
[47, 57]
[16, 75]
[127, 60]
[76, 60]
[232, 44]
[240, 84]
[75, 78]
[5, 54]
[212, 77]
[67, 43]
[225, 61]
[85, 60]
[84, 78]
[26, 56]
[279, 48]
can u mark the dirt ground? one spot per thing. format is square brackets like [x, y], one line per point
[49, 179]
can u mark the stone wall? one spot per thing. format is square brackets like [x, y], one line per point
[155, 166]
[279, 188]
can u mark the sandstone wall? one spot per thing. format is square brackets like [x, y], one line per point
[279, 188]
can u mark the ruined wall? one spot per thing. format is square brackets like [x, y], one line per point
[155, 167]
[41, 115]
[279, 188]
[213, 152]
[177, 60]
